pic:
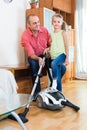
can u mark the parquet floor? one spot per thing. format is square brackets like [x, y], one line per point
[66, 119]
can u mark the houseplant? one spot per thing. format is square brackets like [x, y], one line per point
[33, 3]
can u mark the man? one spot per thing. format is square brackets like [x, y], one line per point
[36, 40]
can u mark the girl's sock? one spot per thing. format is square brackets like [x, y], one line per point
[54, 84]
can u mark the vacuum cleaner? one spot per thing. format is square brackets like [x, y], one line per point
[48, 98]
[53, 99]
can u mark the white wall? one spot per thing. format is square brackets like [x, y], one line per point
[12, 24]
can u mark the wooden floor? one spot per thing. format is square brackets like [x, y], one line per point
[66, 119]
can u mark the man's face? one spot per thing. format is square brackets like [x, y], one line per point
[34, 24]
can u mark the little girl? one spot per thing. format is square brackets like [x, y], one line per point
[58, 51]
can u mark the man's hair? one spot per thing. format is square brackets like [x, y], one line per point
[28, 18]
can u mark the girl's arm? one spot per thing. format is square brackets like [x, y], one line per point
[65, 36]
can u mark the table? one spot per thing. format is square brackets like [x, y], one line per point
[9, 109]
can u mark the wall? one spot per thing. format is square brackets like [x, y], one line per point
[12, 24]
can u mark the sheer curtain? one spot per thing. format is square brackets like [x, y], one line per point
[81, 27]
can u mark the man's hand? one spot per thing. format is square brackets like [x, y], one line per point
[41, 62]
[47, 52]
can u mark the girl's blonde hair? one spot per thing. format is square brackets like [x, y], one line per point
[64, 24]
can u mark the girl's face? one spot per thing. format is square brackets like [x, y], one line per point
[57, 22]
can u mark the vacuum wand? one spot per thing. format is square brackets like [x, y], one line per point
[23, 115]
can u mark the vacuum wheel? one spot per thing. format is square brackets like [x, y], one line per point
[39, 101]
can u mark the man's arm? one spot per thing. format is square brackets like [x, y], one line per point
[39, 59]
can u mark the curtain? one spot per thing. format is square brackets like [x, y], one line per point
[81, 39]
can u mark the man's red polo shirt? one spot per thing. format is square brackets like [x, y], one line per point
[35, 45]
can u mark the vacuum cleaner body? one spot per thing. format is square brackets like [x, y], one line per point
[50, 99]
[53, 99]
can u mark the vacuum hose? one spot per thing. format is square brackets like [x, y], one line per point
[68, 103]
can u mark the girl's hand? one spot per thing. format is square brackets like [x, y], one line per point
[66, 62]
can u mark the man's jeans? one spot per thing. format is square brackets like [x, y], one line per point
[34, 67]
[58, 69]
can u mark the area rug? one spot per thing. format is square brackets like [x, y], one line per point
[9, 128]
